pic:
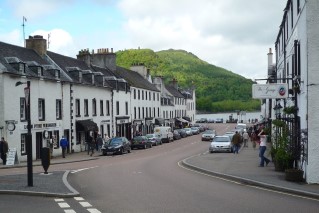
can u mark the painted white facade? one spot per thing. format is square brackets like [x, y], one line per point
[297, 50]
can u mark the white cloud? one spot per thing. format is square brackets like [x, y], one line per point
[60, 41]
[13, 37]
[232, 34]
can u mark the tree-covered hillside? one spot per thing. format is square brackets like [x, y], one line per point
[217, 89]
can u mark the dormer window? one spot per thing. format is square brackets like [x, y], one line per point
[80, 76]
[57, 74]
[21, 68]
[40, 71]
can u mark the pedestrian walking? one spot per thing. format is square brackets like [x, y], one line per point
[245, 138]
[262, 148]
[64, 145]
[236, 142]
[92, 145]
[99, 142]
[4, 148]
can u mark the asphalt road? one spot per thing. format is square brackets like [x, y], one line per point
[151, 180]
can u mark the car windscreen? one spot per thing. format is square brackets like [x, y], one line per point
[115, 142]
[221, 139]
[138, 138]
[209, 132]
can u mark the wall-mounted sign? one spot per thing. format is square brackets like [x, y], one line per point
[270, 91]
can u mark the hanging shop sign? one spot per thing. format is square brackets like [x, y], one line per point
[270, 91]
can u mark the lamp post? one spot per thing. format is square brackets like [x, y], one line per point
[29, 135]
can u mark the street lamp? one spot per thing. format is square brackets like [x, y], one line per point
[277, 109]
[29, 135]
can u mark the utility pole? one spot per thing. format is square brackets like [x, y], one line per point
[24, 19]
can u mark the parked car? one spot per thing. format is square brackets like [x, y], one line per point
[221, 144]
[188, 131]
[202, 120]
[154, 139]
[201, 127]
[164, 133]
[176, 135]
[210, 120]
[219, 120]
[141, 142]
[208, 135]
[117, 145]
[182, 132]
[195, 130]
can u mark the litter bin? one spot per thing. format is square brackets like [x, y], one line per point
[45, 159]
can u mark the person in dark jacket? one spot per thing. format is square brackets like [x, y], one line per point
[4, 148]
[64, 145]
[236, 142]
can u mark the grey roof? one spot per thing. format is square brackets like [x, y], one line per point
[11, 56]
[175, 92]
[135, 79]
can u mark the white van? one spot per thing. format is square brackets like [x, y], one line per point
[164, 133]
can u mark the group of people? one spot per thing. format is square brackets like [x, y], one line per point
[96, 144]
[255, 136]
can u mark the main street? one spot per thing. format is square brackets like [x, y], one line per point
[152, 180]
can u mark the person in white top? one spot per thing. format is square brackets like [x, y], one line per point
[262, 149]
[245, 138]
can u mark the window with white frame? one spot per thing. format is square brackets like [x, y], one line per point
[22, 109]
[94, 107]
[77, 108]
[86, 107]
[107, 107]
[101, 108]
[23, 144]
[41, 109]
[58, 109]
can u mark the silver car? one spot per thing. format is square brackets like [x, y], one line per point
[221, 144]
[208, 135]
[188, 131]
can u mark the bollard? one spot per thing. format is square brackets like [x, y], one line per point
[45, 159]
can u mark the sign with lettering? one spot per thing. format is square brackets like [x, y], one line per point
[12, 157]
[270, 91]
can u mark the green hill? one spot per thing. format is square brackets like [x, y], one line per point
[217, 89]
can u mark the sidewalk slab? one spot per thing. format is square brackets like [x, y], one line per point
[244, 168]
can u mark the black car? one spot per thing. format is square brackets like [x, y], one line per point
[141, 142]
[176, 135]
[182, 133]
[117, 145]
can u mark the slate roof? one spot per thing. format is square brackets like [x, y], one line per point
[174, 91]
[135, 79]
[111, 78]
[12, 55]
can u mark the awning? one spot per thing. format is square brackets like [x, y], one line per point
[86, 125]
[187, 118]
[181, 120]
[159, 121]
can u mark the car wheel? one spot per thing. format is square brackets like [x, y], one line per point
[211, 151]
[104, 153]
[129, 150]
[121, 151]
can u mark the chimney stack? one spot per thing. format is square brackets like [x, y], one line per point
[38, 44]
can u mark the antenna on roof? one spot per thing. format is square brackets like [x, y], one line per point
[49, 35]
[24, 19]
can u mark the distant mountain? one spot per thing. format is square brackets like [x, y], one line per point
[217, 89]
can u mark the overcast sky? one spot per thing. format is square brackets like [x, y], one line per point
[233, 34]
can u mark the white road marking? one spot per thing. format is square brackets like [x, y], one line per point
[94, 211]
[59, 200]
[64, 205]
[69, 211]
[79, 170]
[85, 204]
[78, 198]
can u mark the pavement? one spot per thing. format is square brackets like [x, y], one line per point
[242, 168]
